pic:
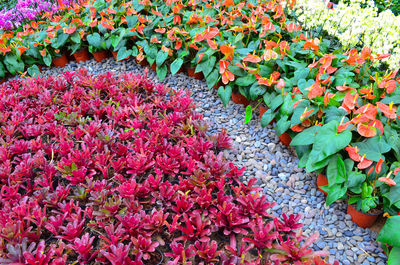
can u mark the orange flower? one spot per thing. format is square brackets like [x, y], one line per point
[350, 101]
[69, 30]
[315, 90]
[366, 130]
[155, 40]
[227, 76]
[368, 110]
[388, 111]
[388, 181]
[227, 50]
[379, 166]
[252, 58]
[305, 114]
[388, 85]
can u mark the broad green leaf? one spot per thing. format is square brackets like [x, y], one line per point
[301, 73]
[394, 256]
[94, 40]
[266, 70]
[123, 53]
[256, 90]
[208, 65]
[33, 70]
[47, 59]
[354, 181]
[303, 84]
[390, 232]
[76, 37]
[161, 57]
[335, 114]
[249, 112]
[275, 102]
[60, 40]
[2, 70]
[312, 166]
[267, 117]
[336, 171]
[394, 193]
[13, 65]
[225, 93]
[162, 72]
[282, 125]
[305, 137]
[373, 148]
[329, 142]
[335, 193]
[131, 21]
[176, 65]
[212, 78]
[246, 80]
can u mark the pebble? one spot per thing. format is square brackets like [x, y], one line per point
[274, 165]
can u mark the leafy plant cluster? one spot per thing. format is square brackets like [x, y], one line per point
[341, 112]
[117, 170]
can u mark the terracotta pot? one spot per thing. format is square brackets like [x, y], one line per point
[154, 67]
[60, 61]
[100, 55]
[262, 111]
[363, 220]
[285, 138]
[322, 181]
[142, 62]
[217, 85]
[81, 56]
[115, 54]
[191, 72]
[240, 99]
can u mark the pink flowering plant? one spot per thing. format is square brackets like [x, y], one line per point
[118, 170]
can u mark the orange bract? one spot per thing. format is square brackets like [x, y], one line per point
[227, 50]
[388, 111]
[388, 181]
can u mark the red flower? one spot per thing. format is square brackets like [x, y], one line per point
[388, 181]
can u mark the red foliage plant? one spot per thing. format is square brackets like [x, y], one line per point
[118, 170]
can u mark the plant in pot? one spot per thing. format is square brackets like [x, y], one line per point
[56, 51]
[97, 46]
[78, 46]
[116, 41]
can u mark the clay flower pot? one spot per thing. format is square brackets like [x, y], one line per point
[154, 67]
[240, 99]
[142, 62]
[322, 181]
[285, 138]
[191, 73]
[262, 111]
[81, 56]
[60, 61]
[361, 219]
[100, 55]
[115, 54]
[217, 85]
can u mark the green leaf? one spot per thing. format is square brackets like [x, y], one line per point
[267, 117]
[354, 181]
[394, 256]
[249, 112]
[266, 70]
[162, 72]
[212, 78]
[305, 137]
[301, 73]
[275, 102]
[13, 65]
[256, 90]
[123, 53]
[60, 40]
[335, 193]
[161, 57]
[390, 232]
[282, 125]
[303, 84]
[287, 106]
[312, 166]
[76, 37]
[373, 148]
[94, 40]
[394, 193]
[131, 21]
[225, 93]
[336, 171]
[245, 80]
[47, 59]
[33, 70]
[208, 65]
[335, 114]
[2, 70]
[329, 142]
[176, 65]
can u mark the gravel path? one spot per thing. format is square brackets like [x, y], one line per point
[274, 165]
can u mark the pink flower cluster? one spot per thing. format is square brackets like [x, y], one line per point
[118, 170]
[27, 10]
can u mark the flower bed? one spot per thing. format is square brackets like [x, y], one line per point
[355, 25]
[118, 170]
[26, 10]
[320, 95]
